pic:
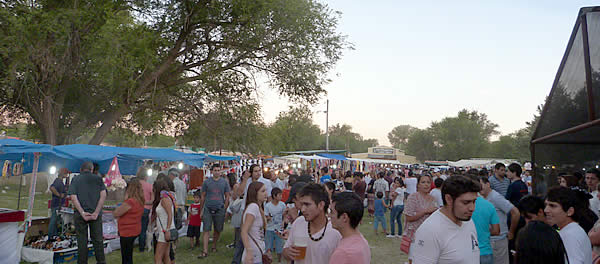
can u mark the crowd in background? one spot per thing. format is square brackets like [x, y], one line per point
[276, 212]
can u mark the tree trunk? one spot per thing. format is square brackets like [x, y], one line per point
[107, 123]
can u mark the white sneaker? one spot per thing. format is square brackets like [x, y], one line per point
[390, 236]
[399, 236]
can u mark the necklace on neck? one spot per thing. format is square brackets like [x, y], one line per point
[322, 235]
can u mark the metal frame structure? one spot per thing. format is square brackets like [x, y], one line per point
[569, 136]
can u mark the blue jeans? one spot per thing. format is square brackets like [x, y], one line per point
[142, 237]
[272, 240]
[52, 228]
[396, 217]
[486, 259]
[380, 219]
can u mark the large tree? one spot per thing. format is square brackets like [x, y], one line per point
[399, 135]
[293, 130]
[75, 66]
[465, 136]
[421, 144]
[342, 137]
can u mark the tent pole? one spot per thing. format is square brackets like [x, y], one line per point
[36, 162]
[20, 183]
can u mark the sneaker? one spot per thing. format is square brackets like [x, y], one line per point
[232, 245]
[399, 236]
[390, 236]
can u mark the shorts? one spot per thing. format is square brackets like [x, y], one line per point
[272, 240]
[194, 231]
[216, 219]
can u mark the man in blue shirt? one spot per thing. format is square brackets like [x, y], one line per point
[487, 224]
[59, 192]
[326, 177]
[517, 189]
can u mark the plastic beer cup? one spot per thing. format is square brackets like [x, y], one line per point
[300, 244]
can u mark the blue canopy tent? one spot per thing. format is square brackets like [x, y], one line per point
[332, 156]
[72, 156]
[215, 158]
[129, 158]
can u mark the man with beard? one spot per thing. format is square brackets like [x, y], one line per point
[312, 230]
[449, 234]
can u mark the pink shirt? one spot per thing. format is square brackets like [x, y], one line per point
[316, 251]
[147, 187]
[352, 250]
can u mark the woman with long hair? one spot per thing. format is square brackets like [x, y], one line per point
[419, 206]
[397, 196]
[128, 218]
[163, 218]
[254, 224]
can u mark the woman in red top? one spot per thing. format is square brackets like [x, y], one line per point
[128, 217]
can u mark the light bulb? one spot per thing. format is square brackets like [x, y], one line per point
[180, 166]
[149, 172]
[52, 170]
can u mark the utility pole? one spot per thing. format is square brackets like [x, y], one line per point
[327, 127]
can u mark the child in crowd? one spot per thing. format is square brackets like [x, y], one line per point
[194, 221]
[274, 214]
[380, 206]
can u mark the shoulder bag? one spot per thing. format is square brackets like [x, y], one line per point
[266, 259]
[173, 233]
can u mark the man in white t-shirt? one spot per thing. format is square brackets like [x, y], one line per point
[449, 236]
[312, 227]
[437, 191]
[592, 178]
[411, 183]
[561, 203]
[381, 185]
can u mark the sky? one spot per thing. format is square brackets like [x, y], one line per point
[416, 62]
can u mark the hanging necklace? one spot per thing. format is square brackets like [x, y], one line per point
[322, 235]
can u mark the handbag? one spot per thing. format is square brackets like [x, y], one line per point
[405, 244]
[266, 259]
[174, 234]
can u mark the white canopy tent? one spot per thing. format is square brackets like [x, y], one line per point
[479, 163]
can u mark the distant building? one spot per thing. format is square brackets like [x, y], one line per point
[386, 153]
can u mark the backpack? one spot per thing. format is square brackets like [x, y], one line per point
[178, 216]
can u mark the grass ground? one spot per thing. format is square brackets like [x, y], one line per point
[383, 250]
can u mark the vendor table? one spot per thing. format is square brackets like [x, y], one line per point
[49, 257]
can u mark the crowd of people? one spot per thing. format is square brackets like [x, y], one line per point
[450, 216]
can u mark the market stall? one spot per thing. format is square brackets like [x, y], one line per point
[37, 246]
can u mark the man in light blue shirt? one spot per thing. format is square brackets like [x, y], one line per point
[487, 224]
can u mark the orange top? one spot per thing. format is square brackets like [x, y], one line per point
[130, 224]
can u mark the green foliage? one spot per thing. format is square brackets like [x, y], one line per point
[228, 127]
[466, 135]
[23, 131]
[421, 144]
[293, 130]
[80, 66]
[399, 135]
[342, 137]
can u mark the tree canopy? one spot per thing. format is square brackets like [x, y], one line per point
[77, 66]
